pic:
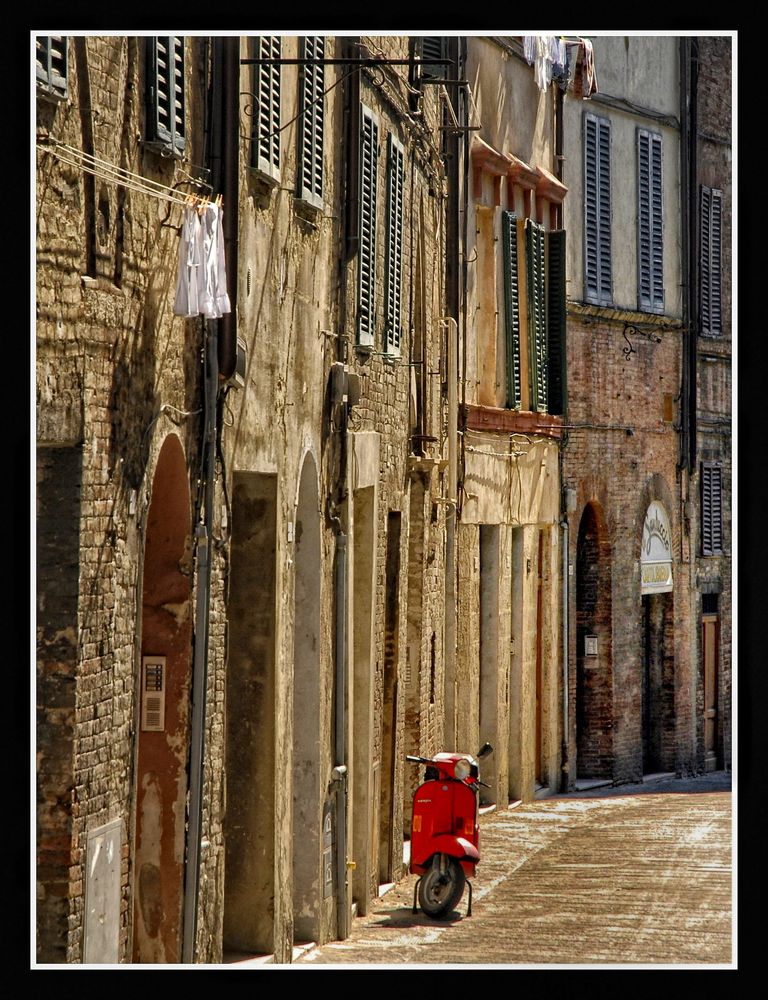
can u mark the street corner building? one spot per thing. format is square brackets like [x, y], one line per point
[383, 408]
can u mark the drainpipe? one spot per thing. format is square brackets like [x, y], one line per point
[350, 227]
[566, 671]
[339, 774]
[222, 150]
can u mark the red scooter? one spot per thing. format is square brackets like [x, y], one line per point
[445, 833]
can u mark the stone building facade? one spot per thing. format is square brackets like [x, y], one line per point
[635, 680]
[509, 642]
[245, 513]
[447, 471]
[119, 451]
[710, 214]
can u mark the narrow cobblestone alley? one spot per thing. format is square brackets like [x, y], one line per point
[629, 875]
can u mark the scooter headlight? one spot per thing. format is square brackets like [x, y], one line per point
[461, 769]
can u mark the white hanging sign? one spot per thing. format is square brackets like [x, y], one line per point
[656, 552]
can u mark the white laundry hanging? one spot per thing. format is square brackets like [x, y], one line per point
[201, 285]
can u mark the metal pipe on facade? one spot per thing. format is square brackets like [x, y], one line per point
[566, 670]
[200, 660]
[340, 771]
[222, 149]
[228, 184]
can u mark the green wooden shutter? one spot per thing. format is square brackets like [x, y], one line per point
[311, 122]
[366, 302]
[537, 314]
[597, 210]
[556, 321]
[711, 509]
[394, 255]
[710, 262]
[165, 93]
[511, 308]
[265, 137]
[650, 241]
[51, 64]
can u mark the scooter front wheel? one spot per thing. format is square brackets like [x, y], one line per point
[440, 891]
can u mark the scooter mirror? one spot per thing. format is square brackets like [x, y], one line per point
[484, 750]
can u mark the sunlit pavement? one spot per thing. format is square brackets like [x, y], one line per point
[632, 875]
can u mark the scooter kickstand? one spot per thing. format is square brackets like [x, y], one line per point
[469, 906]
[415, 890]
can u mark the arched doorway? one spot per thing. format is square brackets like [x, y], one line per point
[163, 734]
[309, 868]
[657, 710]
[594, 648]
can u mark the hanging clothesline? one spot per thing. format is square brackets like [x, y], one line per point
[111, 173]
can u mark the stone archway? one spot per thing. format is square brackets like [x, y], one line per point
[594, 648]
[163, 732]
[308, 867]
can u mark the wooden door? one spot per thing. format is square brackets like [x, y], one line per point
[709, 645]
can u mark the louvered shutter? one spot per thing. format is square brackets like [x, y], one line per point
[394, 257]
[650, 242]
[710, 262]
[433, 50]
[165, 107]
[537, 314]
[711, 509]
[265, 138]
[311, 123]
[511, 308]
[556, 321]
[366, 303]
[51, 64]
[597, 210]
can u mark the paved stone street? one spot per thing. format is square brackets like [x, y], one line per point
[639, 874]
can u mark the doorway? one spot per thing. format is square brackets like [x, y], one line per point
[658, 684]
[710, 644]
[389, 703]
[249, 822]
[309, 871]
[594, 648]
[163, 731]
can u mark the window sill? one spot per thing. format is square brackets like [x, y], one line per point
[163, 149]
[47, 93]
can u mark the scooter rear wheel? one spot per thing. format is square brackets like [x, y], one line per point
[440, 892]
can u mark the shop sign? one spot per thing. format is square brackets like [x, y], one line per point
[656, 552]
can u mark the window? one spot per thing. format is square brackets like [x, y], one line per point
[597, 210]
[366, 301]
[556, 321]
[710, 249]
[650, 242]
[394, 258]
[51, 65]
[265, 134]
[711, 509]
[165, 93]
[434, 53]
[509, 236]
[535, 252]
[310, 173]
[545, 316]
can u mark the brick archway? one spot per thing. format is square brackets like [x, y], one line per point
[164, 703]
[594, 647]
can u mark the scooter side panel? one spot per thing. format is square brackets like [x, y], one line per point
[444, 813]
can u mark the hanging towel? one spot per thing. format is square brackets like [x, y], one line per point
[201, 285]
[529, 48]
[190, 265]
[213, 298]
